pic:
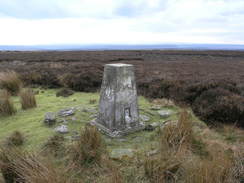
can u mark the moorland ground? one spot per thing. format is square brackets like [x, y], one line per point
[184, 150]
[206, 80]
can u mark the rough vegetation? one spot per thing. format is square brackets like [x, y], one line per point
[89, 148]
[179, 148]
[6, 105]
[183, 76]
[15, 139]
[10, 81]
[27, 98]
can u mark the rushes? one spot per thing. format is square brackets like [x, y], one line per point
[6, 105]
[89, 148]
[27, 98]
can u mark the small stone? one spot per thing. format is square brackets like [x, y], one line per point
[66, 112]
[62, 129]
[121, 153]
[144, 118]
[165, 113]
[74, 119]
[153, 152]
[94, 115]
[155, 107]
[50, 118]
[155, 124]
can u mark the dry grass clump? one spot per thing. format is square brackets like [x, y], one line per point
[179, 162]
[27, 98]
[15, 139]
[54, 145]
[175, 139]
[89, 148]
[10, 81]
[176, 135]
[6, 105]
[7, 158]
[23, 167]
[34, 169]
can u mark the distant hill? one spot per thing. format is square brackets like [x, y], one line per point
[124, 47]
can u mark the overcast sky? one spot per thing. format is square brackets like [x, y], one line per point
[35, 22]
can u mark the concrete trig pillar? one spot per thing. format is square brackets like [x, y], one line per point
[118, 107]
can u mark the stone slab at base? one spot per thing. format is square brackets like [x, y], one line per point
[117, 133]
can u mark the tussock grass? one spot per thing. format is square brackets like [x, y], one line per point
[27, 99]
[54, 145]
[10, 81]
[89, 148]
[179, 162]
[15, 139]
[7, 158]
[6, 105]
[33, 168]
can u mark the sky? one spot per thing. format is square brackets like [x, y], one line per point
[51, 22]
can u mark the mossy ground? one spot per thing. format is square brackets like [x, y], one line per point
[30, 122]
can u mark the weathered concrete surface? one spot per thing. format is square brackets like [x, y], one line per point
[118, 108]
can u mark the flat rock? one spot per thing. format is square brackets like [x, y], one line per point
[62, 129]
[121, 153]
[155, 107]
[66, 112]
[153, 152]
[165, 113]
[50, 118]
[155, 124]
[94, 115]
[144, 118]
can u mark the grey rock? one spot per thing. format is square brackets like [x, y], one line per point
[50, 118]
[144, 118]
[121, 153]
[66, 112]
[153, 152]
[94, 115]
[62, 129]
[155, 107]
[155, 124]
[165, 113]
[74, 119]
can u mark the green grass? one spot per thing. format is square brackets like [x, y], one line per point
[30, 122]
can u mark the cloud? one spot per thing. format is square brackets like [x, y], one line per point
[121, 21]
